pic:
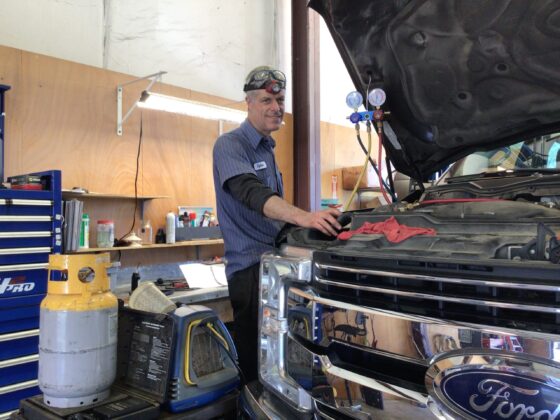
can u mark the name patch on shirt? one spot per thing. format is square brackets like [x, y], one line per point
[259, 165]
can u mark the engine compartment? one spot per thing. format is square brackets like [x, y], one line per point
[487, 230]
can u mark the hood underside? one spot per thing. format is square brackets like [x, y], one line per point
[460, 75]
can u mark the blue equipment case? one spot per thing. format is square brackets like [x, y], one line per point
[188, 351]
[30, 230]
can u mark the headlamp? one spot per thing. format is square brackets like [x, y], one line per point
[273, 81]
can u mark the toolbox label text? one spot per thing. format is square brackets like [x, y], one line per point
[12, 285]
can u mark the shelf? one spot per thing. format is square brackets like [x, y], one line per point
[201, 242]
[74, 194]
[93, 195]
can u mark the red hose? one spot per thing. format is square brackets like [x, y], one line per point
[460, 200]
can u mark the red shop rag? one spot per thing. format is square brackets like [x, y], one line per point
[393, 231]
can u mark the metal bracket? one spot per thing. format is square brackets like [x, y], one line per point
[156, 77]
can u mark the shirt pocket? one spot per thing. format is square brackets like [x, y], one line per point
[265, 177]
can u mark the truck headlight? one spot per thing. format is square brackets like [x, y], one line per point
[276, 272]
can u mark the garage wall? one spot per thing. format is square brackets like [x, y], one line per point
[206, 46]
[339, 149]
[62, 115]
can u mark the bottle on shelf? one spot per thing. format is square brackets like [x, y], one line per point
[84, 232]
[145, 233]
[170, 228]
[160, 236]
[105, 233]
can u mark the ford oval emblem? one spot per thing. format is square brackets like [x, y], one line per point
[494, 385]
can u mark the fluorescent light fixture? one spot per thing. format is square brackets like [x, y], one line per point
[157, 101]
[173, 104]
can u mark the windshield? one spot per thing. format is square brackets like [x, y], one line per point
[537, 154]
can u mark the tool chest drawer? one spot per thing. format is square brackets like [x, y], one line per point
[10, 395]
[10, 224]
[19, 313]
[18, 344]
[24, 255]
[26, 239]
[20, 369]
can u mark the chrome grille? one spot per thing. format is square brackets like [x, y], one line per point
[476, 295]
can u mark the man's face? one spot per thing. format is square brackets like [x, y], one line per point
[265, 110]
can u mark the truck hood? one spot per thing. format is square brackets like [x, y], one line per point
[460, 75]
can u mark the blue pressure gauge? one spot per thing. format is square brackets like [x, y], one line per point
[377, 97]
[354, 100]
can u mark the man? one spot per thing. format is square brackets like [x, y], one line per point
[250, 206]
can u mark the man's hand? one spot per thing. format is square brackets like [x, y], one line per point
[324, 220]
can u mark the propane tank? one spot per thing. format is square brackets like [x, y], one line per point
[78, 332]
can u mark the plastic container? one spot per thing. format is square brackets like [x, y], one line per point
[105, 233]
[146, 233]
[170, 228]
[147, 297]
[84, 231]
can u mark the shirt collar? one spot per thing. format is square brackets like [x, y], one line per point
[255, 138]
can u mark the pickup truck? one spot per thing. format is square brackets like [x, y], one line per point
[464, 321]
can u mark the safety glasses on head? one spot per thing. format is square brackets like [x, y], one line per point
[273, 81]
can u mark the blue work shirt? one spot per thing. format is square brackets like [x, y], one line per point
[247, 234]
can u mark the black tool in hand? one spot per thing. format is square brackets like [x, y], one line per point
[344, 219]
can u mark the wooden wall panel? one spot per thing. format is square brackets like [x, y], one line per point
[10, 75]
[62, 115]
[339, 149]
[284, 156]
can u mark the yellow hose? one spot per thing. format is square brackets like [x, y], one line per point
[187, 349]
[364, 168]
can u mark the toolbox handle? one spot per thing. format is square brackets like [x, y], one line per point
[22, 267]
[19, 335]
[19, 386]
[30, 250]
[19, 361]
[20, 202]
[29, 234]
[25, 218]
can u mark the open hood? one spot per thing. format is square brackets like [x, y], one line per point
[460, 75]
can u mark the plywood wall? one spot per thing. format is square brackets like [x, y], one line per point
[339, 149]
[62, 115]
